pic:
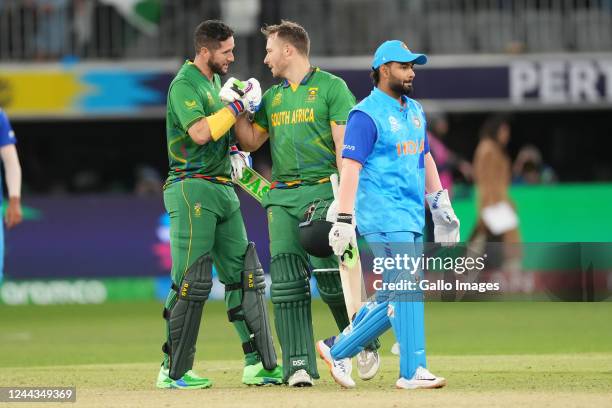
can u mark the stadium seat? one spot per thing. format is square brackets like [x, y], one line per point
[544, 30]
[593, 29]
[447, 33]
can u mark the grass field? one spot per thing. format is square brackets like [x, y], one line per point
[493, 354]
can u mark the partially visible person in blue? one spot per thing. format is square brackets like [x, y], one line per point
[386, 171]
[12, 170]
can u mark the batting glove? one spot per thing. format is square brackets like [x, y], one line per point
[252, 95]
[446, 223]
[239, 160]
[342, 234]
[228, 92]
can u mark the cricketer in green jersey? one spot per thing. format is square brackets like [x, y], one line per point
[206, 225]
[304, 118]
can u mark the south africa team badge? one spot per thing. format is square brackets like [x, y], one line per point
[312, 94]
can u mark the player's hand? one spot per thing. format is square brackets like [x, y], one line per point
[342, 234]
[228, 93]
[13, 212]
[252, 95]
[446, 223]
[239, 160]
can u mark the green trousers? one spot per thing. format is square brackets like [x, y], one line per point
[205, 218]
[290, 268]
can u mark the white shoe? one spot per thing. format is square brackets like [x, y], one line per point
[300, 379]
[422, 379]
[395, 349]
[340, 369]
[368, 364]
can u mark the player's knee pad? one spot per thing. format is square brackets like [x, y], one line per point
[290, 294]
[290, 280]
[329, 284]
[370, 322]
[184, 317]
[253, 309]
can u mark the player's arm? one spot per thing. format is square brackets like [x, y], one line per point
[189, 110]
[12, 170]
[213, 127]
[361, 134]
[340, 101]
[359, 142]
[348, 185]
[446, 223]
[250, 135]
[432, 178]
[338, 136]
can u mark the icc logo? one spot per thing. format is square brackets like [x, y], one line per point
[395, 125]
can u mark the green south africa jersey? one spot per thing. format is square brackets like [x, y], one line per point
[191, 97]
[299, 119]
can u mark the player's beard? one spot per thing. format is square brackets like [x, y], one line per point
[216, 67]
[400, 87]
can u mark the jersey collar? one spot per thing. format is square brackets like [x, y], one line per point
[192, 65]
[286, 84]
[382, 96]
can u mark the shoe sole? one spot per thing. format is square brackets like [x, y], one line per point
[193, 387]
[264, 382]
[303, 384]
[329, 365]
[434, 385]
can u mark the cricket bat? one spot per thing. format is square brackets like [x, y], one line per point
[254, 183]
[350, 269]
[349, 263]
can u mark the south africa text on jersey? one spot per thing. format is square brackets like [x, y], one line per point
[301, 115]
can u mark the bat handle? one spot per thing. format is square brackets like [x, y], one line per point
[335, 184]
[238, 91]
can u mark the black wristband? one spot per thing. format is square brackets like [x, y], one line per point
[344, 217]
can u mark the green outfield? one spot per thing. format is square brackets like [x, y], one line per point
[493, 354]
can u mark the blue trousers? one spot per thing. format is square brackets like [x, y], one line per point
[401, 309]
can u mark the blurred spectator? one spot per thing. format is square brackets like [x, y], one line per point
[497, 218]
[447, 161]
[51, 34]
[492, 174]
[82, 25]
[148, 181]
[529, 167]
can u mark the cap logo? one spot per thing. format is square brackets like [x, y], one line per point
[405, 46]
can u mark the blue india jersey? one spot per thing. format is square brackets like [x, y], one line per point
[389, 139]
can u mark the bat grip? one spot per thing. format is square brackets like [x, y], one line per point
[335, 184]
[238, 91]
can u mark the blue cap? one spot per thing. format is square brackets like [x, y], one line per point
[396, 51]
